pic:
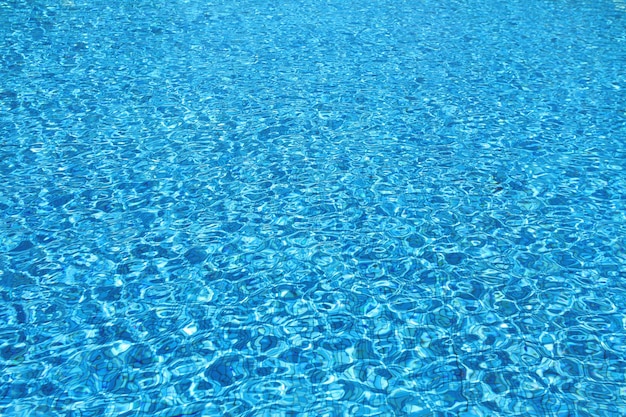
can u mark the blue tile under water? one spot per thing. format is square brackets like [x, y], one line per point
[313, 208]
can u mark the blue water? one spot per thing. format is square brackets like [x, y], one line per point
[313, 208]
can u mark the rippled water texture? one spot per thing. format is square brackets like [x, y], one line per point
[313, 208]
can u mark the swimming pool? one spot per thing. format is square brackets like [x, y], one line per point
[313, 208]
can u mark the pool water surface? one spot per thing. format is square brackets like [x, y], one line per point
[313, 208]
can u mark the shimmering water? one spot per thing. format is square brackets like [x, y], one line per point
[313, 208]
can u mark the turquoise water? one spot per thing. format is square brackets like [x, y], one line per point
[313, 208]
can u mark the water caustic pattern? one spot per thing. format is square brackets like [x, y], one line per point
[307, 208]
